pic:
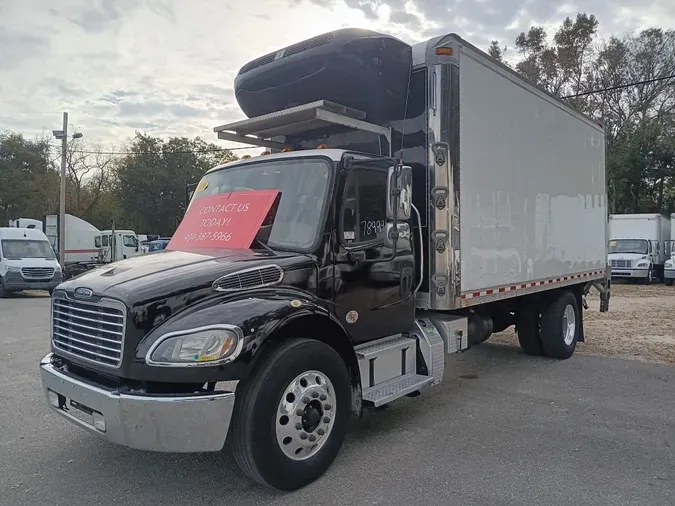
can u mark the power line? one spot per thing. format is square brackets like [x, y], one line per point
[622, 86]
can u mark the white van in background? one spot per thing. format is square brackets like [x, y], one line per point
[27, 261]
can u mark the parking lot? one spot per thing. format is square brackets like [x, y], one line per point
[503, 428]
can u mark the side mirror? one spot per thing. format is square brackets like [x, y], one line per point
[399, 181]
[390, 235]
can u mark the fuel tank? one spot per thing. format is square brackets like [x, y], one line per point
[357, 68]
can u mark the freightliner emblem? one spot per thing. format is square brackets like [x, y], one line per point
[84, 293]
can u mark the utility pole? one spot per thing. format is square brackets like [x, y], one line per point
[62, 195]
[63, 136]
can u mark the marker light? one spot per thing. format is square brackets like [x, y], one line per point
[264, 153]
[245, 156]
[446, 51]
[322, 146]
[286, 150]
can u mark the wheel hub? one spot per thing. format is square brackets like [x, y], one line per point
[569, 324]
[305, 415]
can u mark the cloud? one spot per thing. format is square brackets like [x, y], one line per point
[167, 66]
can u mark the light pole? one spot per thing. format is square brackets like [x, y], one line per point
[63, 135]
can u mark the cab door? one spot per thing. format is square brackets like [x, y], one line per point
[373, 285]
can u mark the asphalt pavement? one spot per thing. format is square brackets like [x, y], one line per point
[502, 429]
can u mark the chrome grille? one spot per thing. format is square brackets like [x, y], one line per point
[93, 331]
[257, 277]
[620, 263]
[37, 272]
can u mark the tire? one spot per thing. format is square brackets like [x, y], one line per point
[560, 326]
[3, 291]
[668, 282]
[650, 277]
[276, 387]
[527, 327]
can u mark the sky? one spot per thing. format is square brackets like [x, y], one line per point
[166, 67]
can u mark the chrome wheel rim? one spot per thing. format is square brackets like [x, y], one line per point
[569, 324]
[305, 415]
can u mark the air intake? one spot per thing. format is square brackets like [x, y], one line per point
[257, 277]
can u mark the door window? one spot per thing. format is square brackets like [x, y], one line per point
[364, 207]
[130, 241]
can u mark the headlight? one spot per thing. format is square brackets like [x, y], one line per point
[13, 269]
[643, 264]
[669, 264]
[202, 346]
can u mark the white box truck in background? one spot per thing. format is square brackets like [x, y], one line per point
[669, 266]
[639, 245]
[86, 246]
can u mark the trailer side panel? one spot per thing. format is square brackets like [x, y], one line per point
[532, 183]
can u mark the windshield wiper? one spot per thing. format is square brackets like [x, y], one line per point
[265, 246]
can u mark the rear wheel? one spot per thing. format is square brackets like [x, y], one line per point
[560, 324]
[3, 291]
[291, 415]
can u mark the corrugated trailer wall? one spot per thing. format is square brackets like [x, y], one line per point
[532, 182]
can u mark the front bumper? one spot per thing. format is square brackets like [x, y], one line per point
[669, 273]
[152, 422]
[14, 281]
[629, 273]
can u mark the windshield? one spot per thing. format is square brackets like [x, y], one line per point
[303, 183]
[16, 249]
[638, 246]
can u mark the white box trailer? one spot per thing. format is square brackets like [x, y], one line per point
[531, 172]
[639, 245]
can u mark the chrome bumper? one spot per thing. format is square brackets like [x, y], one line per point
[161, 423]
[624, 272]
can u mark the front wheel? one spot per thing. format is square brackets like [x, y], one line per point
[291, 414]
[668, 281]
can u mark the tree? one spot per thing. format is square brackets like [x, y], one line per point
[152, 177]
[29, 183]
[87, 167]
[496, 51]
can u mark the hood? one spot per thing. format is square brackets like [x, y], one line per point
[155, 276]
